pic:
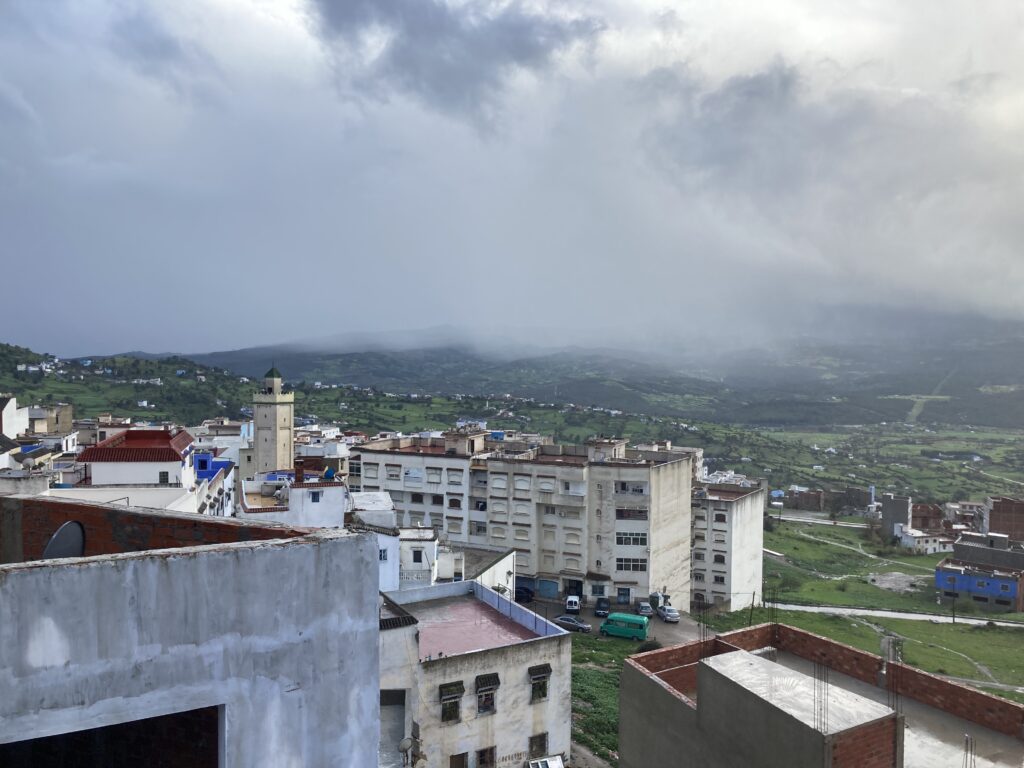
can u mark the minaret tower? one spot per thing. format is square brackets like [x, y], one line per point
[274, 418]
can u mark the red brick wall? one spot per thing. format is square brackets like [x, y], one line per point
[683, 679]
[970, 704]
[750, 639]
[869, 746]
[1007, 516]
[677, 656]
[842, 658]
[109, 531]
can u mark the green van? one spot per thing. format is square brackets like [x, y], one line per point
[625, 625]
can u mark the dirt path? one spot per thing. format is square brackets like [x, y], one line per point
[584, 758]
[859, 549]
[982, 669]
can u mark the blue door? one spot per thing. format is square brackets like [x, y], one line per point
[547, 588]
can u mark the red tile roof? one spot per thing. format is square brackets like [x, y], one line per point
[140, 445]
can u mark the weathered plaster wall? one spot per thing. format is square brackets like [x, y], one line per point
[282, 634]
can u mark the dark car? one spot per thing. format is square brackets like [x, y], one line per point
[602, 606]
[524, 595]
[572, 623]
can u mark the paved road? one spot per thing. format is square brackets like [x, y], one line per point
[818, 521]
[937, 618]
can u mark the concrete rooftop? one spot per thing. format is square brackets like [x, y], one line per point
[463, 624]
[792, 691]
[932, 737]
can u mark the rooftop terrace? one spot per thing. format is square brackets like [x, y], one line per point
[462, 624]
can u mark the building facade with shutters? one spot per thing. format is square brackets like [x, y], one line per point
[470, 679]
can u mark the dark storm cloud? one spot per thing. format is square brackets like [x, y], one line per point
[212, 175]
[455, 58]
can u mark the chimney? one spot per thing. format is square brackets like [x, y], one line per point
[300, 474]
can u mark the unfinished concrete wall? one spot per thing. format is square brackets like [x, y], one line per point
[657, 726]
[282, 634]
[669, 557]
[26, 524]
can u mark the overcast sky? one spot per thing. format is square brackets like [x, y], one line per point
[226, 173]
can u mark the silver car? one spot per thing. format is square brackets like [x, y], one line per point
[668, 613]
[644, 608]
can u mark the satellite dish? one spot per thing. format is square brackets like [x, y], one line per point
[68, 541]
[405, 744]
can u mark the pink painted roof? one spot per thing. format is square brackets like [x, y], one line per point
[462, 624]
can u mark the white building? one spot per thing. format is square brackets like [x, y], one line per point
[922, 542]
[472, 679]
[142, 457]
[728, 544]
[14, 421]
[593, 520]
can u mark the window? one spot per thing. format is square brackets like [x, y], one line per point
[416, 498]
[314, 496]
[370, 471]
[481, 505]
[698, 536]
[982, 584]
[204, 464]
[486, 686]
[248, 459]
[631, 563]
[720, 517]
[164, 478]
[417, 555]
[451, 697]
[539, 745]
[549, 509]
[1004, 587]
[382, 555]
[698, 576]
[597, 590]
[539, 676]
[454, 477]
[719, 579]
[629, 538]
[485, 758]
[630, 514]
[499, 482]
[394, 471]
[1002, 602]
[437, 500]
[497, 532]
[454, 527]
[572, 564]
[454, 503]
[698, 555]
[572, 538]
[951, 594]
[622, 596]
[460, 760]
[522, 534]
[720, 559]
[522, 482]
[979, 598]
[479, 529]
[433, 474]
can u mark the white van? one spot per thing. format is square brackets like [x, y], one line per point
[572, 604]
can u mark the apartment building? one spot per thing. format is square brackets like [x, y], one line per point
[728, 540]
[470, 679]
[595, 520]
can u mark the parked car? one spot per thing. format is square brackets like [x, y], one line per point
[602, 606]
[572, 623]
[572, 604]
[668, 613]
[643, 608]
[524, 595]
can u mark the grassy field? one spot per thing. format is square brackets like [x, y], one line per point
[838, 566]
[596, 666]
